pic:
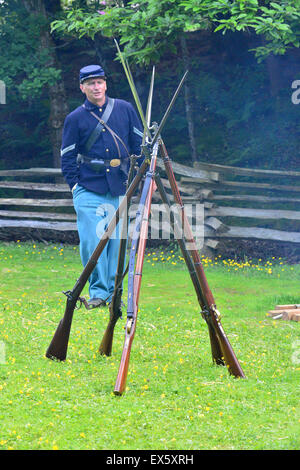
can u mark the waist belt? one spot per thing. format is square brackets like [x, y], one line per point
[98, 161]
[100, 165]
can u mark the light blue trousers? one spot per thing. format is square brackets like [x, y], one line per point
[94, 212]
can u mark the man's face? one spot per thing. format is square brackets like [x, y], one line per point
[94, 89]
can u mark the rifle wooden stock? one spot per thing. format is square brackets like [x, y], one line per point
[59, 344]
[134, 288]
[229, 356]
[131, 322]
[105, 347]
[222, 351]
[115, 310]
[215, 345]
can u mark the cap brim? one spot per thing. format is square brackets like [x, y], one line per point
[93, 76]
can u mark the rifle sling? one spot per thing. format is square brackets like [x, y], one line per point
[103, 124]
[98, 129]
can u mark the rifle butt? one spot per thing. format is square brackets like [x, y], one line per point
[59, 344]
[105, 347]
[231, 361]
[228, 354]
[120, 384]
[216, 350]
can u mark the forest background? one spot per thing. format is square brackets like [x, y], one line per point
[239, 105]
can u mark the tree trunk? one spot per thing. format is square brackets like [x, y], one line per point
[275, 72]
[188, 107]
[57, 95]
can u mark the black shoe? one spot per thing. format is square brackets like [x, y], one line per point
[94, 303]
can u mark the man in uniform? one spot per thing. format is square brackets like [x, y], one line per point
[95, 162]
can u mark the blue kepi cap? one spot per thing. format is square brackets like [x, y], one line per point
[91, 71]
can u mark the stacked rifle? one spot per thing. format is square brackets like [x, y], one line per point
[152, 147]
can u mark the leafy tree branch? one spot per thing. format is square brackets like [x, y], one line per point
[149, 28]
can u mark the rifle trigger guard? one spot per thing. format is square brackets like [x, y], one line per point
[83, 301]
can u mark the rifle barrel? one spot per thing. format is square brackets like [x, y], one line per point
[163, 121]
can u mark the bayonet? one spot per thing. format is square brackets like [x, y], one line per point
[133, 89]
[149, 104]
[163, 121]
[146, 121]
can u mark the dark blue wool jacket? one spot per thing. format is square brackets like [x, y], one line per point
[78, 126]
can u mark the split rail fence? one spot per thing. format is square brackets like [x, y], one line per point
[239, 203]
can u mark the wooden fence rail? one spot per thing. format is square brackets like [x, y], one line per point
[238, 203]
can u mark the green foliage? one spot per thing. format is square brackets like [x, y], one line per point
[277, 22]
[26, 72]
[150, 28]
[236, 120]
[233, 123]
[37, 80]
[24, 65]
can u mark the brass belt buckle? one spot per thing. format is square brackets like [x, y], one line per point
[115, 162]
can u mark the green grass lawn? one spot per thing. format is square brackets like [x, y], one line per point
[175, 397]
